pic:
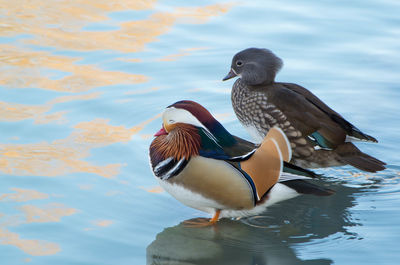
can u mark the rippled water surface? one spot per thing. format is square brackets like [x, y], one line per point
[82, 86]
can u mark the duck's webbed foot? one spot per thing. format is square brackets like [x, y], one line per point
[203, 222]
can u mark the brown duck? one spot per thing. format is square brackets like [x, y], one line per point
[319, 136]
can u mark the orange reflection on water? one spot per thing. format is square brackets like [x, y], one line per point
[60, 25]
[103, 223]
[183, 52]
[68, 15]
[64, 99]
[49, 159]
[51, 212]
[130, 37]
[23, 195]
[141, 91]
[27, 69]
[67, 155]
[99, 131]
[18, 112]
[32, 247]
[155, 189]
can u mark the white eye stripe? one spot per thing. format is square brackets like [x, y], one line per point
[184, 116]
[180, 115]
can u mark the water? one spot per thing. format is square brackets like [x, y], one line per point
[82, 84]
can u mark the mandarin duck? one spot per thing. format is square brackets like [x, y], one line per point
[202, 165]
[319, 136]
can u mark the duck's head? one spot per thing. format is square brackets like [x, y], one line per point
[188, 127]
[255, 66]
[186, 113]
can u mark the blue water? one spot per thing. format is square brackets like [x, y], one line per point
[77, 81]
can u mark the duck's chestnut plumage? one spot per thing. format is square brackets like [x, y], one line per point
[201, 164]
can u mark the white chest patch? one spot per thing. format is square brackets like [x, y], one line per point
[189, 198]
[278, 193]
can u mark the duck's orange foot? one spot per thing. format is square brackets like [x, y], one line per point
[202, 222]
[198, 222]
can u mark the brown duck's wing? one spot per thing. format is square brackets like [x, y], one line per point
[349, 128]
[304, 116]
[265, 166]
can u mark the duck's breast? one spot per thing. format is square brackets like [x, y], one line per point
[209, 183]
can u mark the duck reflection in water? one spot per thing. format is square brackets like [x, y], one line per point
[265, 239]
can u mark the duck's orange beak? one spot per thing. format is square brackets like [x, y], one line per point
[162, 131]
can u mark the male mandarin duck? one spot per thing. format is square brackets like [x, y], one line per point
[319, 136]
[205, 167]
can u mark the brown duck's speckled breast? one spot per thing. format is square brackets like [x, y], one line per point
[253, 110]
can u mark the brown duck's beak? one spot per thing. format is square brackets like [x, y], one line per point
[230, 75]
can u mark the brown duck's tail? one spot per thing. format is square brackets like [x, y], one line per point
[351, 155]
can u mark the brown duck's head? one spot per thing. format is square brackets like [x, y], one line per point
[255, 66]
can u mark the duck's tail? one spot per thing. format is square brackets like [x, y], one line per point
[351, 155]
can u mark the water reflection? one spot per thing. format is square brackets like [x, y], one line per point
[229, 242]
[267, 239]
[29, 213]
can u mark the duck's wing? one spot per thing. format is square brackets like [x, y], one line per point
[225, 146]
[266, 163]
[300, 115]
[240, 150]
[261, 165]
[349, 128]
[262, 169]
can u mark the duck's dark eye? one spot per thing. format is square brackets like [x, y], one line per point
[239, 63]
